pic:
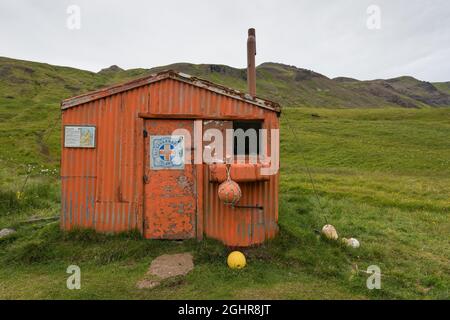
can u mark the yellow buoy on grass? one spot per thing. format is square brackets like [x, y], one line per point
[236, 260]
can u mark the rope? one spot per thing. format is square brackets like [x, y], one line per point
[296, 138]
[228, 168]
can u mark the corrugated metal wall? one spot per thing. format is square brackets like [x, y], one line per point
[102, 188]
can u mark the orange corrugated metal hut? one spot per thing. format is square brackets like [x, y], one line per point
[120, 171]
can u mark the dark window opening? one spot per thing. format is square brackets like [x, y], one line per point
[246, 137]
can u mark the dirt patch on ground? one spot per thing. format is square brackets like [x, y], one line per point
[166, 266]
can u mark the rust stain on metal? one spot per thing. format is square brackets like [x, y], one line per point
[112, 188]
[170, 74]
[239, 172]
[171, 215]
[251, 65]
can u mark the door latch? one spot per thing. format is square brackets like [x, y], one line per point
[145, 178]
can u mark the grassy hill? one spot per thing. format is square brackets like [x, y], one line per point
[382, 175]
[288, 85]
[443, 86]
[295, 87]
[30, 94]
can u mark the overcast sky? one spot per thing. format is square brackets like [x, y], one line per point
[331, 37]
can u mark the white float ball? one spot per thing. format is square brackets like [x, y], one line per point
[329, 231]
[352, 242]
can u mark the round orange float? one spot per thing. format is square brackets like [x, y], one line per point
[229, 191]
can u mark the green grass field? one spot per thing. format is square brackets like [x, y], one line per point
[382, 176]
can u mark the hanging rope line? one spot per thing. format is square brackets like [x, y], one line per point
[311, 179]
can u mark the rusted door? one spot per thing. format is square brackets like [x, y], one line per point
[170, 184]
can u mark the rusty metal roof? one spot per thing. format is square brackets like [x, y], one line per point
[170, 74]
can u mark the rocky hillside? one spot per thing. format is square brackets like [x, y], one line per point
[30, 94]
[296, 87]
[288, 85]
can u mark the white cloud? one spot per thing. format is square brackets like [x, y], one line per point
[329, 37]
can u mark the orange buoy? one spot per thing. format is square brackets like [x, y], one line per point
[229, 191]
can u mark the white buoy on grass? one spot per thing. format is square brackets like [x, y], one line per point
[352, 242]
[329, 231]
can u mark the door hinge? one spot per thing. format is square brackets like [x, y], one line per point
[145, 178]
[145, 133]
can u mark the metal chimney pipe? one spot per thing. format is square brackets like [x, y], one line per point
[251, 67]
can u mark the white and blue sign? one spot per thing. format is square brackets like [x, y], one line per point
[167, 152]
[79, 136]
